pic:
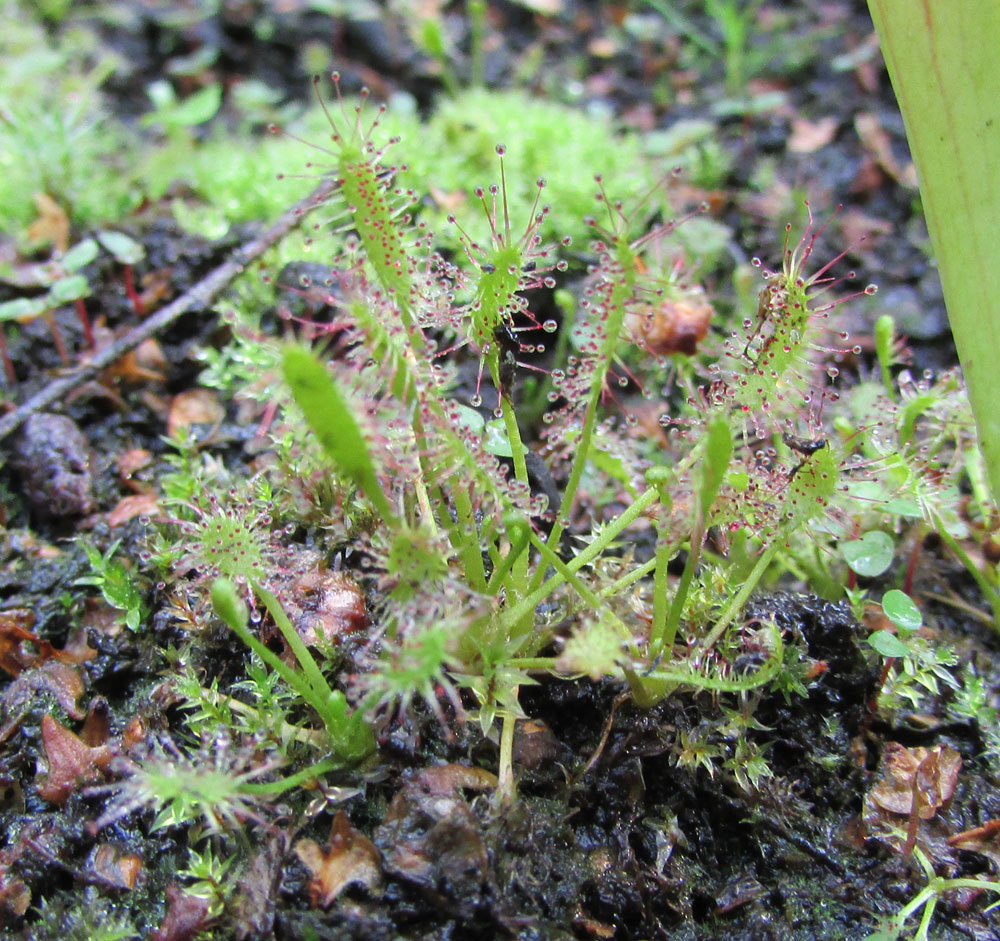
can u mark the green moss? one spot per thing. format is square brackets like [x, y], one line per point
[457, 150]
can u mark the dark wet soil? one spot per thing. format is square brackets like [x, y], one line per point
[619, 830]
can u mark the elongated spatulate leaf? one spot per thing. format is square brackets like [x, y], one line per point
[332, 421]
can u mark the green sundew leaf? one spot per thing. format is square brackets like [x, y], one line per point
[885, 329]
[611, 465]
[471, 419]
[870, 555]
[227, 604]
[22, 309]
[68, 289]
[331, 419]
[888, 644]
[81, 254]
[911, 412]
[901, 610]
[903, 506]
[432, 39]
[495, 440]
[126, 250]
[739, 481]
[193, 110]
[718, 452]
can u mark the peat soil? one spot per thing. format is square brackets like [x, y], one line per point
[612, 835]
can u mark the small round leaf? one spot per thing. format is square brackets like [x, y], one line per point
[870, 555]
[900, 609]
[888, 644]
[495, 441]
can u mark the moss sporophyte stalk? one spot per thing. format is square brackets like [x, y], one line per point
[531, 489]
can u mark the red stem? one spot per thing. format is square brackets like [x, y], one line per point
[131, 292]
[8, 366]
[84, 318]
[57, 338]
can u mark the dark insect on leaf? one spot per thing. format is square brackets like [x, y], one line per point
[804, 446]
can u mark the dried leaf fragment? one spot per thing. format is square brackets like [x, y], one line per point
[430, 837]
[876, 140]
[186, 916]
[917, 780]
[52, 224]
[349, 858]
[984, 840]
[15, 897]
[324, 605]
[138, 504]
[15, 655]
[670, 326]
[71, 762]
[194, 407]
[809, 136]
[114, 867]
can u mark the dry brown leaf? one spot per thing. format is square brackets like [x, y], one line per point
[324, 605]
[157, 287]
[16, 639]
[857, 227]
[97, 726]
[129, 368]
[14, 629]
[670, 326]
[809, 136]
[134, 733]
[186, 916]
[114, 867]
[15, 897]
[52, 225]
[127, 508]
[876, 141]
[984, 840]
[71, 762]
[535, 745]
[194, 407]
[349, 858]
[130, 462]
[60, 680]
[451, 201]
[449, 780]
[919, 780]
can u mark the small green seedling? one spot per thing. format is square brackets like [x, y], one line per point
[927, 899]
[905, 616]
[117, 582]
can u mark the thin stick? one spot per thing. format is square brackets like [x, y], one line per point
[200, 296]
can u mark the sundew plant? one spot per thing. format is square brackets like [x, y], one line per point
[675, 467]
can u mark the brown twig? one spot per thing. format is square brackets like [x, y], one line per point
[200, 296]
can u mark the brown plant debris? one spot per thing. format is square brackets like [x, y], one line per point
[71, 762]
[349, 858]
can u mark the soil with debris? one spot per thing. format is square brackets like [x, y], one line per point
[610, 837]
